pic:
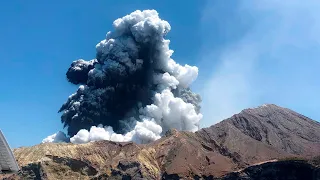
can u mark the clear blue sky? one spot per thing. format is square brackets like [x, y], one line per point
[248, 54]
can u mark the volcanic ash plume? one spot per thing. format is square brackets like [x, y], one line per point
[133, 90]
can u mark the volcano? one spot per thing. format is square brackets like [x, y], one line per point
[265, 142]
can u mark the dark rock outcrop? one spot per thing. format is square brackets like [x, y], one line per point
[281, 170]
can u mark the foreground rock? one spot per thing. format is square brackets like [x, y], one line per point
[220, 151]
[290, 169]
[275, 170]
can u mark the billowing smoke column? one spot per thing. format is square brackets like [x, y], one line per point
[133, 90]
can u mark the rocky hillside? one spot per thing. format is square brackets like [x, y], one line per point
[266, 132]
[277, 170]
[181, 153]
[254, 135]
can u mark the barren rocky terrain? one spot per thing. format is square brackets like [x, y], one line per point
[247, 145]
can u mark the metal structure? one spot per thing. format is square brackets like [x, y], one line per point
[8, 163]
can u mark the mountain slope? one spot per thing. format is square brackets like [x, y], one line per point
[182, 153]
[288, 169]
[252, 136]
[267, 132]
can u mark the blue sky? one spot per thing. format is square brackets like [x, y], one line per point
[248, 54]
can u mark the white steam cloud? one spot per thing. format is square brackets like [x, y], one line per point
[56, 138]
[167, 110]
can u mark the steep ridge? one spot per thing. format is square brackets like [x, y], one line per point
[182, 153]
[267, 132]
[252, 136]
[288, 169]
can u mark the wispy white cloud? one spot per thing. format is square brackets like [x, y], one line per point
[260, 52]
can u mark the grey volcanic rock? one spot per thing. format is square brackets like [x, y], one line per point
[281, 128]
[273, 170]
[267, 132]
[281, 170]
